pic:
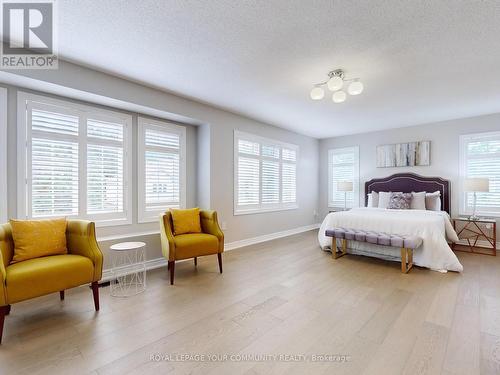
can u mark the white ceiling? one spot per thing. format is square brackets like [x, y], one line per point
[420, 61]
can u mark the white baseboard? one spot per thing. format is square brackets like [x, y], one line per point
[268, 237]
[152, 264]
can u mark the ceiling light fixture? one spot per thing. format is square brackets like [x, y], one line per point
[317, 93]
[335, 83]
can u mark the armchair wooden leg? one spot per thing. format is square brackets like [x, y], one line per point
[95, 292]
[61, 295]
[171, 266]
[3, 312]
[195, 261]
[219, 257]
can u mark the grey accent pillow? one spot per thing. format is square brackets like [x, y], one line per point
[400, 201]
[383, 199]
[373, 199]
[418, 200]
[433, 201]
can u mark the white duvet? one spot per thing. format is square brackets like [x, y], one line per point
[433, 227]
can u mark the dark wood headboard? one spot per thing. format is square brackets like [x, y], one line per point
[408, 182]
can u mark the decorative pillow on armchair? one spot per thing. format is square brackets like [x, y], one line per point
[400, 201]
[186, 221]
[38, 238]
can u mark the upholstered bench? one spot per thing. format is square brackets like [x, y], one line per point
[406, 243]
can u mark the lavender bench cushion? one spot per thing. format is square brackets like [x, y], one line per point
[379, 238]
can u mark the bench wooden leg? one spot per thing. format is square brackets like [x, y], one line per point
[335, 252]
[406, 259]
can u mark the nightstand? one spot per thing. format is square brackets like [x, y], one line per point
[480, 235]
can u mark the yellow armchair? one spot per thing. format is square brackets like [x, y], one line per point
[191, 245]
[40, 276]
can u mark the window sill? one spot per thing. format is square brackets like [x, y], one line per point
[264, 210]
[110, 223]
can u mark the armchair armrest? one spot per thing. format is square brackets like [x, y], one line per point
[80, 239]
[210, 225]
[167, 236]
[6, 248]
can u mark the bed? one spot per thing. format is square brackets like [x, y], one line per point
[434, 227]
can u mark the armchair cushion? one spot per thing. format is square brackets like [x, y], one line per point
[186, 221]
[194, 245]
[40, 276]
[38, 238]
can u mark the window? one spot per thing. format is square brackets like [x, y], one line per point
[480, 157]
[265, 174]
[74, 161]
[161, 168]
[3, 155]
[343, 165]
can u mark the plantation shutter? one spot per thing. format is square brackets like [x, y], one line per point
[343, 165]
[161, 168]
[75, 162]
[289, 173]
[105, 167]
[248, 173]
[481, 158]
[53, 184]
[265, 174]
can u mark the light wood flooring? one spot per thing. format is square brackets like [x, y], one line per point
[284, 297]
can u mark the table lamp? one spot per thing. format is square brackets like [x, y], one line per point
[345, 186]
[476, 185]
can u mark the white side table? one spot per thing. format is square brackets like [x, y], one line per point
[129, 269]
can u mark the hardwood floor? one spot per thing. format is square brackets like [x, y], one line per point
[285, 297]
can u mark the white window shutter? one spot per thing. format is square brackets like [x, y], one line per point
[343, 165]
[54, 178]
[480, 157]
[76, 161]
[161, 168]
[289, 186]
[265, 174]
[248, 181]
[54, 164]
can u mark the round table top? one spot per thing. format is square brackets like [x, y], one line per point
[123, 246]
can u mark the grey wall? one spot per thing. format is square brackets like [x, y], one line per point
[444, 137]
[209, 149]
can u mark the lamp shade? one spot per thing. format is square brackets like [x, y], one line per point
[344, 186]
[477, 184]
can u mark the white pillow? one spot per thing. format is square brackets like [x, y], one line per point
[384, 198]
[372, 199]
[418, 200]
[433, 201]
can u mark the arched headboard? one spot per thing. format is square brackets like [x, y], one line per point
[408, 182]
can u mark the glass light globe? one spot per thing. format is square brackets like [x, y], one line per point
[355, 88]
[317, 93]
[339, 96]
[335, 83]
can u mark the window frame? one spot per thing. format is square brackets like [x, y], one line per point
[82, 111]
[464, 209]
[263, 207]
[3, 155]
[144, 123]
[356, 179]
